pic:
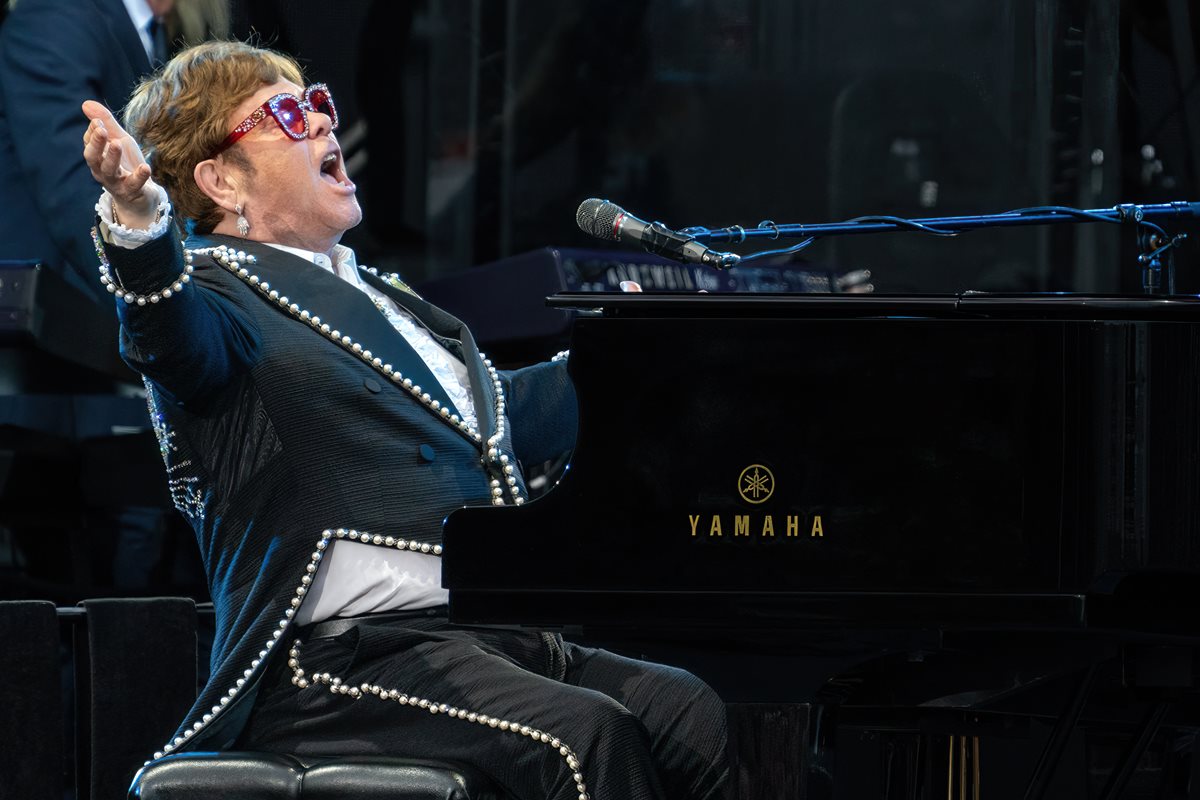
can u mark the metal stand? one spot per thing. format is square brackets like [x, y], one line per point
[1121, 775]
[1154, 244]
[1057, 742]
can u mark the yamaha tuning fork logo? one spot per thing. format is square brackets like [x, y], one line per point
[755, 486]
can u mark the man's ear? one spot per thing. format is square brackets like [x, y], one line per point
[217, 181]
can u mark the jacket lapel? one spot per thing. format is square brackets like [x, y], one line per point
[446, 326]
[340, 305]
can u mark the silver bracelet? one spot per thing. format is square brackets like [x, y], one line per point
[111, 284]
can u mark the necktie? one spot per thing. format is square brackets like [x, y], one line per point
[158, 42]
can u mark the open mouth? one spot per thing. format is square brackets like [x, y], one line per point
[334, 171]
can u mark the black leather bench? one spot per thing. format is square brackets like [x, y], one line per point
[268, 776]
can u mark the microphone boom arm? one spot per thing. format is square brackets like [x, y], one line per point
[949, 226]
[1153, 241]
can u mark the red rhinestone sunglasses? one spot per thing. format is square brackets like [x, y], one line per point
[289, 111]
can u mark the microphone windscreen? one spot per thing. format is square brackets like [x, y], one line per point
[597, 217]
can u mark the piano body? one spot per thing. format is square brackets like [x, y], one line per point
[918, 525]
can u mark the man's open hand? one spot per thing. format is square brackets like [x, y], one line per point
[117, 164]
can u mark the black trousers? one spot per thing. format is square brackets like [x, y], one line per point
[542, 717]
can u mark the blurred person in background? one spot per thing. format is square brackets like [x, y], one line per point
[52, 53]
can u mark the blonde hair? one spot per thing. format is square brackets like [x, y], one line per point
[181, 115]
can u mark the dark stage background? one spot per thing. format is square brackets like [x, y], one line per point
[474, 128]
[479, 126]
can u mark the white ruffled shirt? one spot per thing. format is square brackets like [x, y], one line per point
[354, 578]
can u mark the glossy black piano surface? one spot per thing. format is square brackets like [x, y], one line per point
[764, 462]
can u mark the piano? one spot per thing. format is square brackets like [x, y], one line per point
[940, 520]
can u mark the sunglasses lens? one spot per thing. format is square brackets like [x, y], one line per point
[322, 101]
[290, 117]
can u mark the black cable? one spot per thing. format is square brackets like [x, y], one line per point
[796, 248]
[907, 223]
[913, 225]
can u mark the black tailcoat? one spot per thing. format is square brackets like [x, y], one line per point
[280, 434]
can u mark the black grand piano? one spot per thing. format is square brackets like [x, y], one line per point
[955, 538]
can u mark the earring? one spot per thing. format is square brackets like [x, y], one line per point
[242, 225]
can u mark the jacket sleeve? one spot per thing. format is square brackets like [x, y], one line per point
[193, 343]
[542, 411]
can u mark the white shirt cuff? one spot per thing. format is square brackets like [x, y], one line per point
[121, 236]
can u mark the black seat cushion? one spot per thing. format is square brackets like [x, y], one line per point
[270, 776]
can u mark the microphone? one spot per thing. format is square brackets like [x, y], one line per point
[606, 220]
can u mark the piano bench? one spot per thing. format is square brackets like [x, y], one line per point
[270, 776]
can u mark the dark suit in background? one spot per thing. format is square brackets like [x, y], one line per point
[53, 55]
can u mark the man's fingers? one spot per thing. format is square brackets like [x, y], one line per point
[138, 179]
[94, 142]
[98, 133]
[93, 110]
[110, 161]
[113, 157]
